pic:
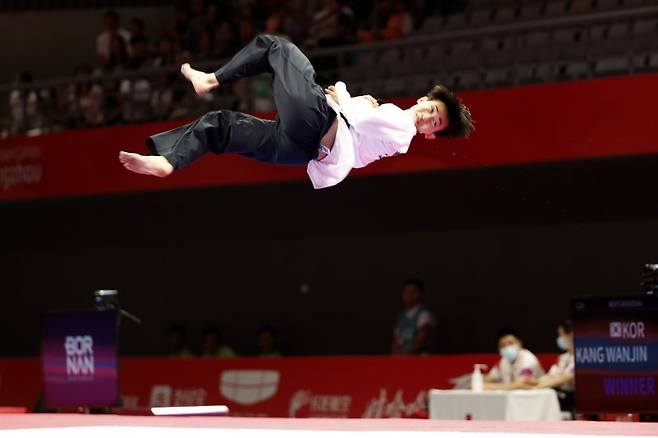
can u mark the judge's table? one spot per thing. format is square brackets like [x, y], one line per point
[517, 405]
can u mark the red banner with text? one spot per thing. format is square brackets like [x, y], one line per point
[550, 122]
[365, 386]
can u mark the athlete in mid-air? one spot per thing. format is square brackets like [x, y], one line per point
[328, 131]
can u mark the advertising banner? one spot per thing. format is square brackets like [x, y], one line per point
[356, 386]
[539, 123]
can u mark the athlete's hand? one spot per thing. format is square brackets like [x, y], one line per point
[371, 99]
[331, 91]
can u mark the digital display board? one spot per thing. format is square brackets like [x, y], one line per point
[616, 354]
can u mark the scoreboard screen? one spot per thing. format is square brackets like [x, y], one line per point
[616, 349]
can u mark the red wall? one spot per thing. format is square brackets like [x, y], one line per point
[561, 121]
[365, 386]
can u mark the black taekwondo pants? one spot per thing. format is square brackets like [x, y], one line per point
[303, 115]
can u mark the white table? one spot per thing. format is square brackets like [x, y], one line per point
[462, 404]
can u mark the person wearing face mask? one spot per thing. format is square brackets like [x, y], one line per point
[561, 375]
[517, 368]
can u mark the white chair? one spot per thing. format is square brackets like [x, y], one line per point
[612, 65]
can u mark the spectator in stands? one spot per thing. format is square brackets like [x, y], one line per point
[177, 341]
[268, 340]
[273, 26]
[517, 366]
[164, 97]
[213, 345]
[137, 28]
[136, 92]
[24, 107]
[112, 102]
[85, 100]
[296, 22]
[248, 31]
[333, 25]
[561, 374]
[399, 23]
[139, 53]
[206, 46]
[112, 43]
[165, 55]
[415, 325]
[178, 28]
[226, 40]
[195, 26]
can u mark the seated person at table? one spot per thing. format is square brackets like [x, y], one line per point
[517, 365]
[561, 375]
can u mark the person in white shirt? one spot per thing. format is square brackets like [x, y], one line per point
[561, 376]
[113, 42]
[328, 133]
[517, 366]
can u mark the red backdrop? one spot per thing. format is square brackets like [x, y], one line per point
[560, 121]
[368, 386]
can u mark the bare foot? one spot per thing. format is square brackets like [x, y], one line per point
[202, 82]
[147, 165]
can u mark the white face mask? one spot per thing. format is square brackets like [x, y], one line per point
[562, 343]
[510, 352]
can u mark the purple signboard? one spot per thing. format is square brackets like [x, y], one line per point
[79, 358]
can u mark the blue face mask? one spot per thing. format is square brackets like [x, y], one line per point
[510, 352]
[562, 343]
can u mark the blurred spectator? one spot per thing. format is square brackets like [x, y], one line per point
[179, 26]
[135, 97]
[165, 97]
[268, 340]
[195, 26]
[24, 107]
[112, 102]
[364, 34]
[561, 375]
[333, 25]
[112, 43]
[399, 23]
[415, 326]
[247, 31]
[177, 341]
[517, 367]
[296, 22]
[206, 43]
[85, 98]
[165, 55]
[139, 53]
[137, 28]
[213, 345]
[226, 40]
[135, 93]
[273, 26]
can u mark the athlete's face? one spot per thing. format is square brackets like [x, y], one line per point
[430, 117]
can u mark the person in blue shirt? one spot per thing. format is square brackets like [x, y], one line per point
[413, 331]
